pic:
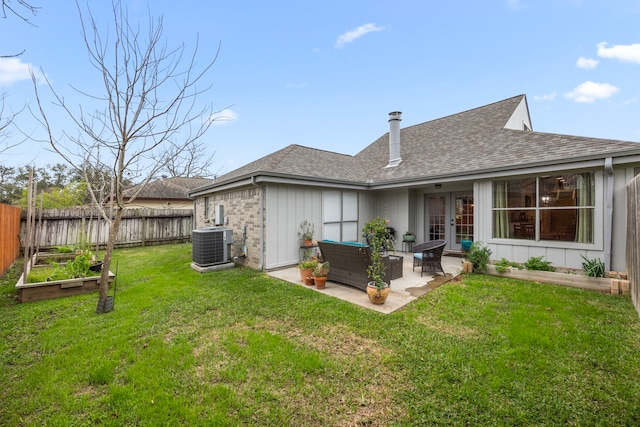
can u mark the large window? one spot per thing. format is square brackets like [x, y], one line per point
[340, 216]
[550, 207]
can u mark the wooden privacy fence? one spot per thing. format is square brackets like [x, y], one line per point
[633, 240]
[9, 230]
[139, 227]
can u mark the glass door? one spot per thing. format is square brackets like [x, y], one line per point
[436, 216]
[449, 216]
[463, 228]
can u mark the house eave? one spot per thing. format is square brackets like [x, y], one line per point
[587, 162]
[546, 166]
[270, 178]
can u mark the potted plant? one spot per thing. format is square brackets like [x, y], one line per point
[320, 274]
[465, 243]
[306, 232]
[478, 255]
[306, 267]
[375, 232]
[409, 236]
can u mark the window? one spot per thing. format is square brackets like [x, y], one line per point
[340, 216]
[550, 207]
[206, 207]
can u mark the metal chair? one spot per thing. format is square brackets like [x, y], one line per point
[428, 256]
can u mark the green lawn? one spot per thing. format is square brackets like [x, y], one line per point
[238, 347]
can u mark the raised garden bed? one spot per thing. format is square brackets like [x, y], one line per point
[612, 285]
[28, 292]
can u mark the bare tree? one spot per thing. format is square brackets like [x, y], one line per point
[21, 10]
[6, 122]
[18, 9]
[193, 161]
[149, 110]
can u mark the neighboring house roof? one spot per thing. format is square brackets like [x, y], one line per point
[174, 188]
[471, 142]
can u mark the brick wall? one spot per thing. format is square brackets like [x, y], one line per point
[242, 209]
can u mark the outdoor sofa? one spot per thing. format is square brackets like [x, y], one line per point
[348, 263]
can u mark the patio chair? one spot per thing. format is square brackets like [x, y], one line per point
[428, 256]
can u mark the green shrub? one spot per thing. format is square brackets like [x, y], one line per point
[306, 264]
[504, 264]
[592, 267]
[478, 255]
[73, 269]
[536, 263]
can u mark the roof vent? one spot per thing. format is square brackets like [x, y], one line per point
[394, 138]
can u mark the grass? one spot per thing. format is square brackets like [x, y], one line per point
[238, 347]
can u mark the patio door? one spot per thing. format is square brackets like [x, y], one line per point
[449, 216]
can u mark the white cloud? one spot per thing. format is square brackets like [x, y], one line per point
[223, 117]
[589, 92]
[625, 53]
[13, 70]
[547, 97]
[587, 63]
[352, 35]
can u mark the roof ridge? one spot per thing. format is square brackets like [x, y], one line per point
[470, 110]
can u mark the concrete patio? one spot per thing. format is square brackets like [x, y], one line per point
[403, 290]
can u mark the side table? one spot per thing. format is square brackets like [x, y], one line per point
[396, 266]
[408, 244]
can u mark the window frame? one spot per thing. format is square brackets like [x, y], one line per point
[538, 210]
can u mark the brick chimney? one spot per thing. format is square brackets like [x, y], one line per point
[394, 138]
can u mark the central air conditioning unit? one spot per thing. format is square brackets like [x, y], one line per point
[211, 246]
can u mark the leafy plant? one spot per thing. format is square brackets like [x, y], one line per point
[478, 255]
[504, 265]
[73, 269]
[306, 230]
[321, 270]
[376, 233]
[536, 263]
[592, 267]
[307, 264]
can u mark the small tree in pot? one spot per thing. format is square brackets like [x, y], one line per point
[306, 232]
[375, 232]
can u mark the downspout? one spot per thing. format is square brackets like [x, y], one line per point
[608, 218]
[261, 219]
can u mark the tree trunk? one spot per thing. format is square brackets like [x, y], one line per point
[111, 243]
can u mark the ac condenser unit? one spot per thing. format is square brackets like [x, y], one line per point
[211, 245]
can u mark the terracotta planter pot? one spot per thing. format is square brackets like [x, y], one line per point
[305, 273]
[377, 296]
[320, 282]
[308, 281]
[308, 243]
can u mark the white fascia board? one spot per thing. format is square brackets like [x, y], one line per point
[491, 174]
[271, 179]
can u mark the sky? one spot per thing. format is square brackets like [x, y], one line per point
[326, 74]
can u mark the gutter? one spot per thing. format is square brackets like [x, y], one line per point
[608, 217]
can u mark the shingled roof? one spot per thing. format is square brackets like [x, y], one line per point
[174, 188]
[465, 143]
